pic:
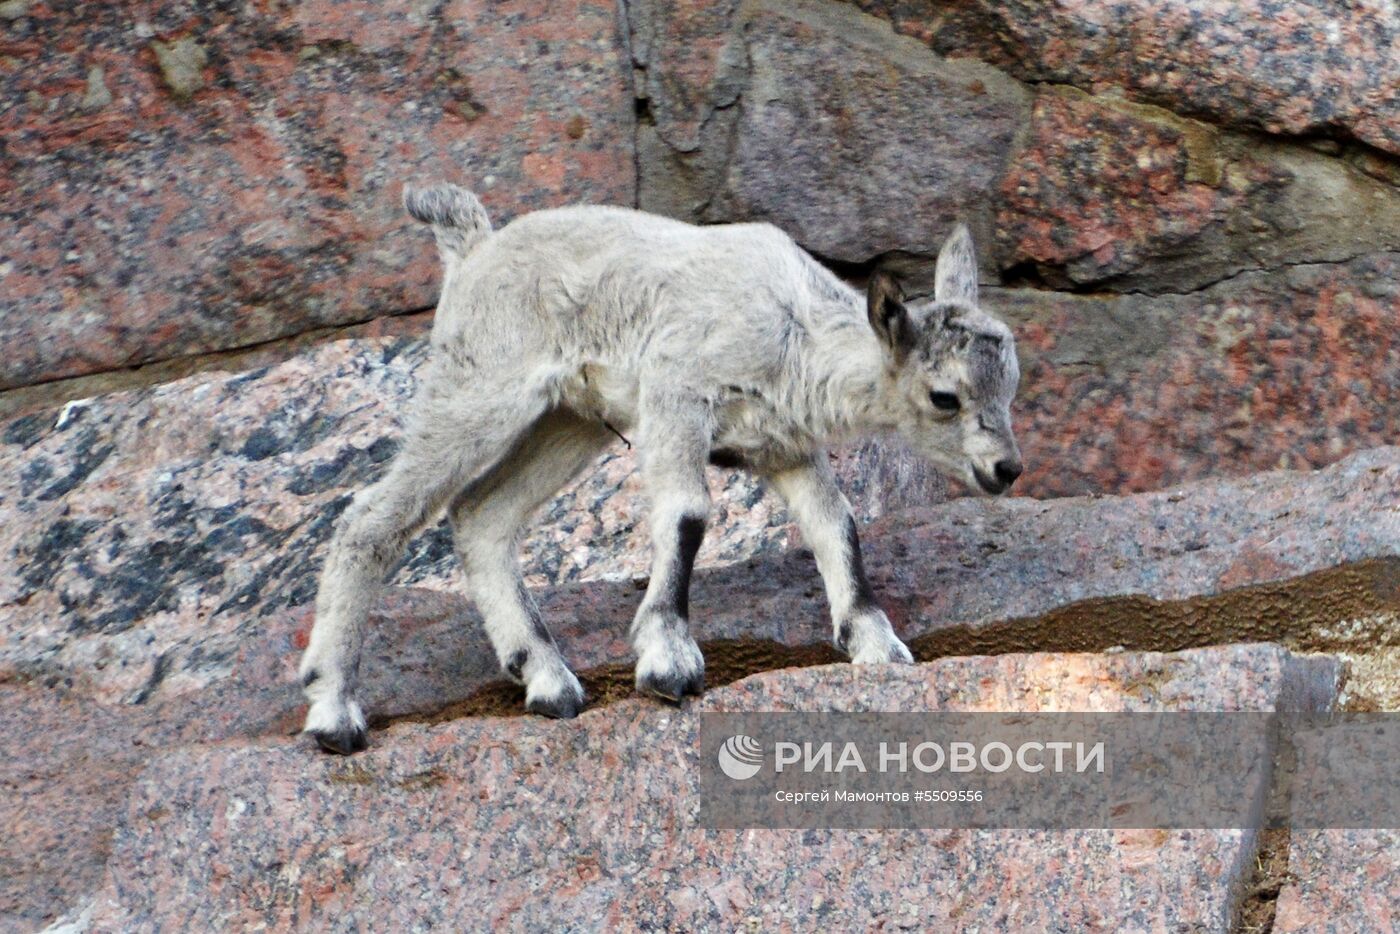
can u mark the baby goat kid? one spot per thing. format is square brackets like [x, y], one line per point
[724, 344]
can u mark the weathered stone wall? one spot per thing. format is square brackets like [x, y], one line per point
[185, 177]
[1191, 210]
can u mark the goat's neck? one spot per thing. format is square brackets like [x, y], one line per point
[849, 385]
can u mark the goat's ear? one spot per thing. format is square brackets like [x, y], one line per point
[888, 316]
[956, 276]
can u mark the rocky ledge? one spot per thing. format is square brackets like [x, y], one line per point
[1305, 558]
[526, 824]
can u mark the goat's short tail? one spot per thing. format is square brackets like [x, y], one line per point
[459, 221]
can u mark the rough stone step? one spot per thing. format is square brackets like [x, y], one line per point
[966, 577]
[525, 824]
[1340, 882]
[140, 528]
[1211, 563]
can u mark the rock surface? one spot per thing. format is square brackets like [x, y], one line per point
[1128, 197]
[966, 577]
[1292, 368]
[1341, 881]
[1298, 68]
[591, 824]
[241, 181]
[867, 147]
[165, 522]
[835, 126]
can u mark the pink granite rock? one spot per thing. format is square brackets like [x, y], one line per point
[232, 175]
[1340, 882]
[1296, 367]
[1135, 198]
[1298, 68]
[974, 563]
[146, 526]
[591, 824]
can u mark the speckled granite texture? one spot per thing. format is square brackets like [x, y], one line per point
[1340, 882]
[591, 825]
[1293, 368]
[1293, 67]
[187, 513]
[973, 562]
[866, 147]
[1128, 197]
[178, 178]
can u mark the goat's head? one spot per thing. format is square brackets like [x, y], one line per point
[952, 371]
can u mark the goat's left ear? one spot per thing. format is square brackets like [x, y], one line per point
[888, 317]
[955, 277]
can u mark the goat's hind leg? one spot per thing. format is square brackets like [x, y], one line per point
[450, 440]
[486, 520]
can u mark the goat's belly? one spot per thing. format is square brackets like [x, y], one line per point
[605, 393]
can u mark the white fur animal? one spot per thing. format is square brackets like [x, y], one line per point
[726, 344]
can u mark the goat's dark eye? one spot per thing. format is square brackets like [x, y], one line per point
[944, 401]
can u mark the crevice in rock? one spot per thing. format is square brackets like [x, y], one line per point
[1038, 277]
[641, 117]
[1267, 270]
[1300, 613]
[1259, 898]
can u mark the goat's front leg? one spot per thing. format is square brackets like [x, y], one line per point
[860, 628]
[675, 442]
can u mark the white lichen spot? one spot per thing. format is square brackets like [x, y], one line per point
[70, 411]
[237, 807]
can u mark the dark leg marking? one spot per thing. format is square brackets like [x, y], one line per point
[536, 623]
[516, 663]
[864, 598]
[843, 637]
[310, 678]
[690, 530]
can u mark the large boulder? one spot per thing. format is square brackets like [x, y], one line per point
[1299, 69]
[191, 177]
[593, 824]
[144, 533]
[1306, 558]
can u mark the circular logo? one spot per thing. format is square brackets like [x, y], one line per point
[740, 757]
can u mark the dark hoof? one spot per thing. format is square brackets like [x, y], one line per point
[564, 707]
[672, 687]
[342, 742]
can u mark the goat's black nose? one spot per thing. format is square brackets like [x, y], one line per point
[1007, 471]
